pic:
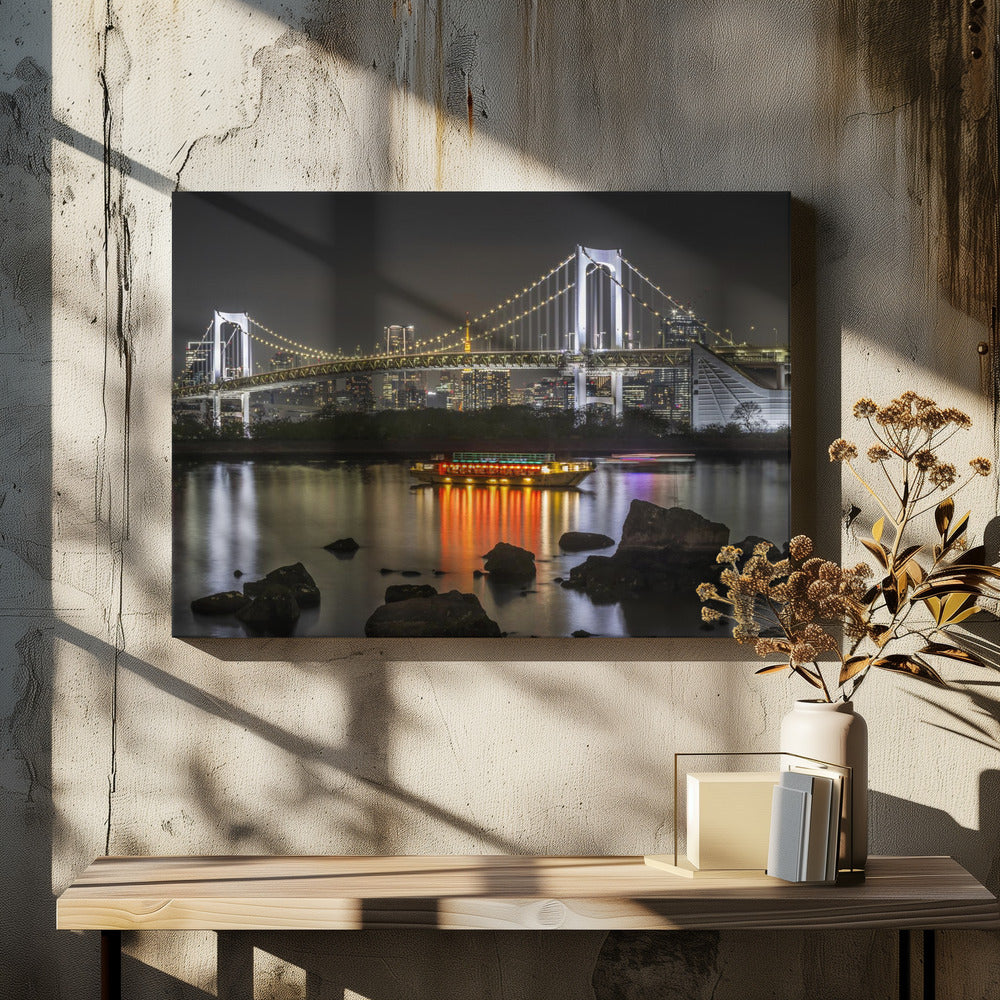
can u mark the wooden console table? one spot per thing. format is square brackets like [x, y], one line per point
[495, 892]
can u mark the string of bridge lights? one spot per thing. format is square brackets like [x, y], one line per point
[628, 291]
[313, 352]
[442, 341]
[668, 297]
[318, 355]
[533, 309]
[459, 332]
[513, 319]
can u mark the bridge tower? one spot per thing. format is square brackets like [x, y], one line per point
[587, 332]
[231, 359]
[607, 260]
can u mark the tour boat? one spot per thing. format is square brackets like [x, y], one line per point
[490, 468]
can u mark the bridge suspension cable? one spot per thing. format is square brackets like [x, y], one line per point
[626, 288]
[531, 310]
[540, 315]
[673, 302]
[504, 308]
[505, 315]
[312, 352]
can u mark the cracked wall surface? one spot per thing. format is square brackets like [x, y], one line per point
[118, 738]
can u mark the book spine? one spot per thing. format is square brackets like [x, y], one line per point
[789, 814]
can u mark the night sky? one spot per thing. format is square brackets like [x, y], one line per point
[331, 270]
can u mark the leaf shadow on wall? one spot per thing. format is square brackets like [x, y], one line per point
[898, 826]
[923, 830]
[366, 727]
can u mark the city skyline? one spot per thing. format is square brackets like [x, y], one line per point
[334, 266]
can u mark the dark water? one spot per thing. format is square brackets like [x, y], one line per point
[257, 515]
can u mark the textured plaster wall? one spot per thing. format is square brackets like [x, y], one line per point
[117, 738]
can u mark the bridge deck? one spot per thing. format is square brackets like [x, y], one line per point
[482, 360]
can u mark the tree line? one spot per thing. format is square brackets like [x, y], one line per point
[498, 428]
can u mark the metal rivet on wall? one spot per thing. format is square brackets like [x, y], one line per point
[975, 26]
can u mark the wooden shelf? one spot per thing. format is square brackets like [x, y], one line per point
[463, 892]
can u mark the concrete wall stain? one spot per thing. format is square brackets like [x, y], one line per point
[682, 964]
[116, 65]
[28, 725]
[918, 61]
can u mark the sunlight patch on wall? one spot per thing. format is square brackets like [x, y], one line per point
[875, 367]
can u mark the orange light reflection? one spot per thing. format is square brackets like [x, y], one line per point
[472, 519]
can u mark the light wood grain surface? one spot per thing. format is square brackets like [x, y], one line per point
[493, 891]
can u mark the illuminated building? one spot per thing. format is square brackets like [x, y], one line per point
[447, 394]
[325, 393]
[669, 392]
[399, 339]
[196, 363]
[413, 395]
[482, 390]
[295, 395]
[637, 392]
[552, 394]
[719, 390]
[401, 390]
[681, 330]
[359, 394]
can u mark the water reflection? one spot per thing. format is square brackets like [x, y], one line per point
[255, 516]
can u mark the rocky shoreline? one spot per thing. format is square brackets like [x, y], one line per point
[661, 551]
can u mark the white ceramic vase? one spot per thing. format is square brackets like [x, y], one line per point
[833, 732]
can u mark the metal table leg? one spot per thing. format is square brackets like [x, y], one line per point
[111, 965]
[929, 970]
[929, 991]
[903, 965]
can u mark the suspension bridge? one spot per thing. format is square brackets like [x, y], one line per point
[593, 315]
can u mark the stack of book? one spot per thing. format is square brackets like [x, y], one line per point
[805, 825]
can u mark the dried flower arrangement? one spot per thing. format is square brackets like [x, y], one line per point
[799, 607]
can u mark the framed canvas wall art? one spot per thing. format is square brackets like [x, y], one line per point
[486, 414]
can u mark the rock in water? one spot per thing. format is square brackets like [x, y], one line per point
[273, 611]
[648, 526]
[578, 541]
[604, 579]
[442, 616]
[406, 591]
[342, 545]
[507, 563]
[220, 604]
[295, 577]
[662, 549]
